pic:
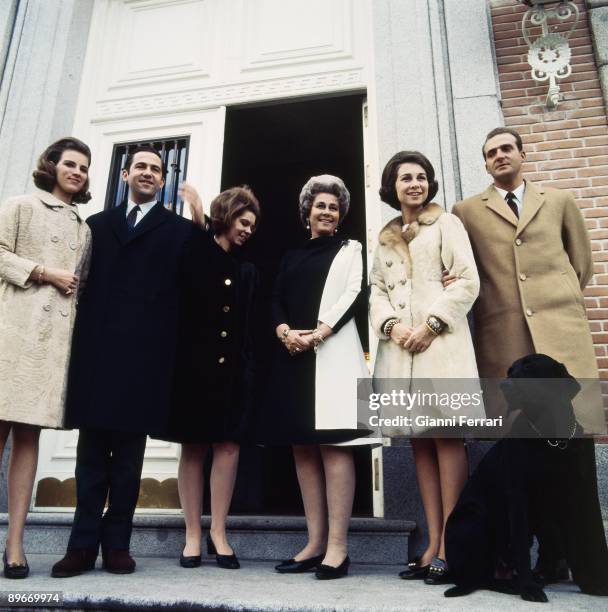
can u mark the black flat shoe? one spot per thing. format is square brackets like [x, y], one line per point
[15, 571]
[189, 561]
[224, 561]
[328, 572]
[414, 571]
[438, 572]
[291, 566]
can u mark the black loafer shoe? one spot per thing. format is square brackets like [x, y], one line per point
[438, 572]
[414, 571]
[189, 561]
[15, 571]
[328, 572]
[224, 561]
[291, 566]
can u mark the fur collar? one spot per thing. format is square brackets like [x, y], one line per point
[391, 233]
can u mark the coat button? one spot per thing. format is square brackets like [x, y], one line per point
[391, 286]
[402, 281]
[389, 263]
[72, 246]
[221, 360]
[73, 217]
[226, 309]
[54, 238]
[223, 334]
[228, 282]
[46, 307]
[522, 277]
[401, 305]
[64, 313]
[529, 312]
[518, 242]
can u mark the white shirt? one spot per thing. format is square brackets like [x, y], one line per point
[518, 193]
[144, 209]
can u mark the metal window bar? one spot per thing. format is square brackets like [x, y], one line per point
[173, 152]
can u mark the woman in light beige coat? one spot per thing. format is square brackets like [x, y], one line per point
[424, 333]
[44, 246]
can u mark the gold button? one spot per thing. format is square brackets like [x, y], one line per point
[223, 334]
[226, 309]
[522, 276]
[518, 242]
[227, 282]
[529, 312]
[221, 360]
[46, 307]
[54, 238]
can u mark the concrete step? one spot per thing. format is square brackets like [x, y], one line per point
[160, 584]
[371, 540]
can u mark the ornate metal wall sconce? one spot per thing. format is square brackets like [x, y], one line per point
[549, 55]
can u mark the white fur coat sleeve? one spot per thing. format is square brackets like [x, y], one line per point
[457, 256]
[380, 307]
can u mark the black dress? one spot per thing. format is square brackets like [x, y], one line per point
[287, 415]
[214, 374]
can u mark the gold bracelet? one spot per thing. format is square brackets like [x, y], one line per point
[431, 329]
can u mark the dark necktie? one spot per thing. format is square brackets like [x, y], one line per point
[132, 217]
[510, 199]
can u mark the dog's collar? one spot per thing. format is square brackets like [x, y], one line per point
[556, 443]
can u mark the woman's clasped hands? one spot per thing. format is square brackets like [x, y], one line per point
[413, 339]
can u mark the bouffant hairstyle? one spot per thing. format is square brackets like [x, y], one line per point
[143, 148]
[325, 183]
[389, 177]
[502, 130]
[231, 204]
[45, 175]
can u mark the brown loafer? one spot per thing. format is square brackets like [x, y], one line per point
[75, 562]
[118, 561]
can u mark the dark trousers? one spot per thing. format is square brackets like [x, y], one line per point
[108, 466]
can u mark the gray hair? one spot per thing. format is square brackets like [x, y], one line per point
[325, 183]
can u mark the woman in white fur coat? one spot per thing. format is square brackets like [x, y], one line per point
[423, 330]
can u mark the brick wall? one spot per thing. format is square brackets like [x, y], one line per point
[567, 147]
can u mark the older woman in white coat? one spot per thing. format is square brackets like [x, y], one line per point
[423, 329]
[44, 245]
[312, 402]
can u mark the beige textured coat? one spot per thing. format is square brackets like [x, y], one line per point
[406, 284]
[36, 320]
[532, 273]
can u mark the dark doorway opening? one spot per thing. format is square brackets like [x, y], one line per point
[275, 149]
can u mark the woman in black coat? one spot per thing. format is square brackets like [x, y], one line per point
[214, 365]
[312, 401]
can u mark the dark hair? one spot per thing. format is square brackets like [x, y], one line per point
[324, 183]
[502, 130]
[144, 148]
[45, 175]
[389, 177]
[231, 204]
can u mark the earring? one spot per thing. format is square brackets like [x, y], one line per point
[308, 225]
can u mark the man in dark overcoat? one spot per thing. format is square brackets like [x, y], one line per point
[122, 362]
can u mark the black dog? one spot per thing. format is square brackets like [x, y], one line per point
[542, 480]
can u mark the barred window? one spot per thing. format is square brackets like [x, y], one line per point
[173, 152]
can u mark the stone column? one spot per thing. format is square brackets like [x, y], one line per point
[598, 20]
[42, 47]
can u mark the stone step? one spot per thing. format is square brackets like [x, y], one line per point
[159, 584]
[371, 540]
